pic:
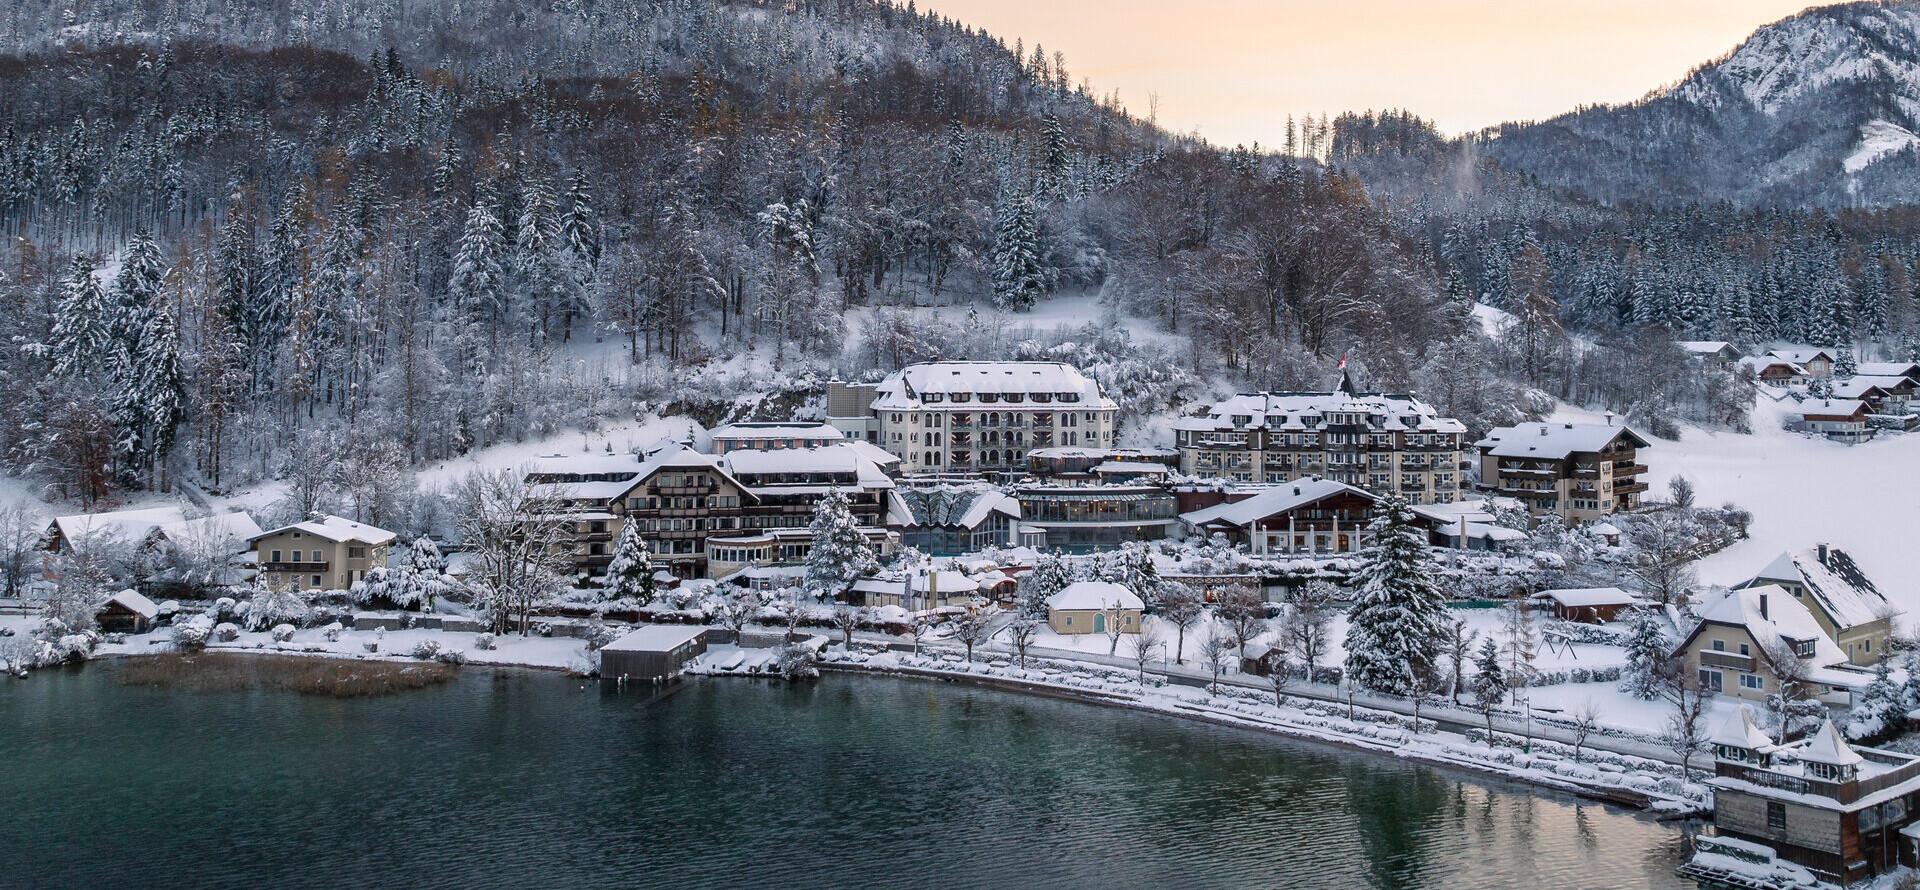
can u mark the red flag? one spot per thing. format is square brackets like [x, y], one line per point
[1343, 364]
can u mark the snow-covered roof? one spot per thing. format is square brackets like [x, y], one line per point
[1739, 732]
[749, 465]
[1705, 347]
[1297, 411]
[1801, 356]
[1786, 619]
[336, 529]
[1830, 408]
[880, 456]
[1278, 499]
[1554, 440]
[777, 430]
[1838, 586]
[1589, 596]
[903, 389]
[964, 506]
[119, 526]
[134, 602]
[583, 465]
[1604, 529]
[1888, 382]
[1858, 388]
[1826, 746]
[1758, 363]
[1889, 369]
[1068, 451]
[1093, 596]
[236, 526]
[656, 638]
[1144, 467]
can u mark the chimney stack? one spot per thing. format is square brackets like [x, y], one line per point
[1543, 430]
[1823, 554]
[1763, 606]
[1609, 418]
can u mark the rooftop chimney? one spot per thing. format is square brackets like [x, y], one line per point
[1543, 429]
[1609, 418]
[1823, 554]
[1763, 606]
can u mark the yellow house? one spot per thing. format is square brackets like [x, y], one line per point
[1747, 639]
[1850, 610]
[326, 553]
[1092, 607]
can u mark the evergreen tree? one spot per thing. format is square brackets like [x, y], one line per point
[1053, 161]
[1647, 652]
[135, 290]
[1399, 614]
[159, 386]
[1051, 574]
[630, 573]
[841, 553]
[1845, 367]
[1879, 710]
[478, 286]
[1489, 682]
[82, 331]
[1018, 279]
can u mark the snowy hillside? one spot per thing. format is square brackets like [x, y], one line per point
[1821, 107]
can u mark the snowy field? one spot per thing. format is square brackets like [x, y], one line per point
[1864, 499]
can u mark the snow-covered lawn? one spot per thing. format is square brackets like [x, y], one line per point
[509, 649]
[1864, 499]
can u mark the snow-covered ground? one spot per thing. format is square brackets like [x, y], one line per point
[1864, 499]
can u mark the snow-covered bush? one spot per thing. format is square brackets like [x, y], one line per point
[226, 632]
[283, 633]
[796, 661]
[451, 656]
[331, 633]
[483, 641]
[225, 609]
[426, 649]
[598, 635]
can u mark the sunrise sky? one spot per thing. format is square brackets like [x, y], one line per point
[1234, 69]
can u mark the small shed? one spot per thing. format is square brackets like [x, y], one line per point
[1086, 607]
[126, 612]
[655, 652]
[1593, 605]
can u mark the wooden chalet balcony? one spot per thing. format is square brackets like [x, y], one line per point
[1628, 469]
[297, 568]
[1733, 660]
[1585, 471]
[1630, 488]
[1529, 472]
[1540, 493]
[680, 489]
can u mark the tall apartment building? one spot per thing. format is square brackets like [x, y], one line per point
[975, 417]
[1383, 443]
[1580, 471]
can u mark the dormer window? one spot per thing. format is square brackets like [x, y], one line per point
[935, 397]
[989, 398]
[961, 398]
[1242, 419]
[1802, 648]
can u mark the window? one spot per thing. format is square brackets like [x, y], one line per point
[316, 581]
[1719, 646]
[276, 556]
[1776, 815]
[1711, 680]
[361, 552]
[1752, 681]
[1069, 620]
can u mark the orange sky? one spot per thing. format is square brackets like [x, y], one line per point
[1234, 69]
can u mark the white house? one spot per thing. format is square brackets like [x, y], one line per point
[1092, 607]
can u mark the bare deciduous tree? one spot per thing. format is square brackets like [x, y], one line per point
[1143, 646]
[1307, 620]
[847, 621]
[1244, 614]
[1183, 607]
[1686, 729]
[972, 629]
[1586, 718]
[522, 550]
[1215, 650]
[1020, 632]
[21, 528]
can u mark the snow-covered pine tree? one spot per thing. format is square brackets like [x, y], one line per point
[840, 552]
[135, 290]
[1051, 574]
[1845, 366]
[1053, 160]
[1647, 651]
[546, 287]
[478, 285]
[1879, 710]
[630, 573]
[82, 332]
[1395, 628]
[159, 385]
[1489, 683]
[1018, 279]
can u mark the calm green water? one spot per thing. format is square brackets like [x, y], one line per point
[526, 780]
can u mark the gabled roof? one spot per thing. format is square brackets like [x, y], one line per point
[1858, 388]
[963, 506]
[1838, 587]
[1093, 596]
[1786, 619]
[336, 529]
[119, 526]
[1555, 441]
[903, 389]
[133, 601]
[1762, 362]
[1830, 408]
[777, 430]
[1276, 500]
[1889, 369]
[1589, 596]
[1299, 411]
[1801, 356]
[820, 461]
[1705, 347]
[680, 457]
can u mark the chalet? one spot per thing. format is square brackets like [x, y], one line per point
[917, 590]
[1593, 605]
[126, 612]
[218, 544]
[774, 436]
[323, 553]
[1909, 370]
[1849, 608]
[1777, 372]
[1818, 363]
[116, 528]
[1713, 352]
[1303, 516]
[1581, 471]
[949, 520]
[1846, 814]
[1749, 640]
[1883, 395]
[1842, 420]
[1091, 607]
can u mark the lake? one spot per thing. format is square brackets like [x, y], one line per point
[525, 779]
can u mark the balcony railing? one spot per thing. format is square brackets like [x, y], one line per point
[1733, 660]
[297, 568]
[1624, 469]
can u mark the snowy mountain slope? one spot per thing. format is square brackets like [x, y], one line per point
[1818, 108]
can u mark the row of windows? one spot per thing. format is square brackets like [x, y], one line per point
[715, 502]
[1011, 398]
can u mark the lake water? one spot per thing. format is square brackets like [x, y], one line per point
[526, 779]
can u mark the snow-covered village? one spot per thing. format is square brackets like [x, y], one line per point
[717, 442]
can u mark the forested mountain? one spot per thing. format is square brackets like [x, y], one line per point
[1818, 109]
[340, 238]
